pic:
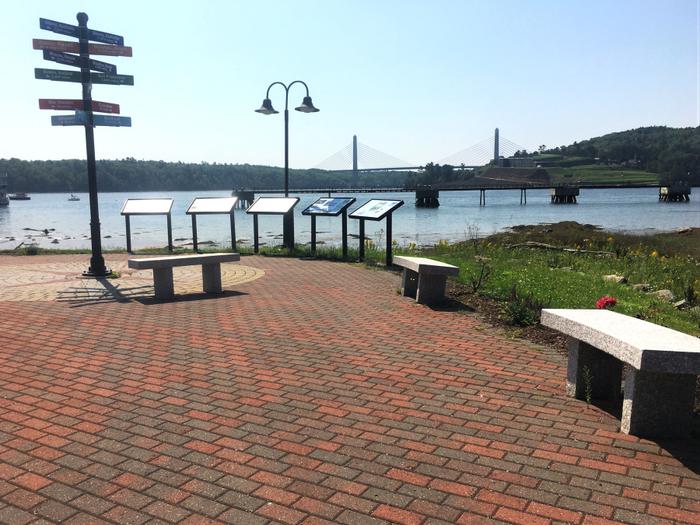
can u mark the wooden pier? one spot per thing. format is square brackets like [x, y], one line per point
[245, 198]
[678, 192]
[564, 195]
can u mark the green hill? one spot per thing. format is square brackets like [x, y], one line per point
[673, 153]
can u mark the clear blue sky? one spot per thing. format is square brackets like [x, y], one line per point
[419, 80]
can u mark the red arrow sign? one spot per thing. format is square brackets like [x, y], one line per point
[77, 104]
[74, 47]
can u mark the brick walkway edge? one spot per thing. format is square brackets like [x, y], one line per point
[314, 394]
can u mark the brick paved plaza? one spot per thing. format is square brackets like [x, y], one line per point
[309, 393]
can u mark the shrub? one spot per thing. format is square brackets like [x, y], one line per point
[521, 310]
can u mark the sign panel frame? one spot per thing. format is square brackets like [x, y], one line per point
[166, 204]
[332, 209]
[229, 203]
[376, 209]
[261, 202]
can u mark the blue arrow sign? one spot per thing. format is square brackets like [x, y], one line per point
[79, 119]
[107, 38]
[74, 60]
[111, 120]
[59, 27]
[74, 31]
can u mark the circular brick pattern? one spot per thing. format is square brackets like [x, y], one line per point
[64, 282]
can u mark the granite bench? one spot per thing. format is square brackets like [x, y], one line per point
[163, 270]
[663, 364]
[424, 279]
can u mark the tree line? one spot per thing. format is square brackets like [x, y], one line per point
[674, 153]
[129, 174]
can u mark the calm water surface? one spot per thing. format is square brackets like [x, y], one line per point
[459, 214]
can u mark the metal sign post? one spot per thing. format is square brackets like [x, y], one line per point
[330, 207]
[59, 52]
[376, 210]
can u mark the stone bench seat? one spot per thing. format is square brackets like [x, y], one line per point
[663, 364]
[163, 270]
[424, 279]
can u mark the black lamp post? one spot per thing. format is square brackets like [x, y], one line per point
[306, 106]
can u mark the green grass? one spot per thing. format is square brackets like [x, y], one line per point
[594, 174]
[556, 279]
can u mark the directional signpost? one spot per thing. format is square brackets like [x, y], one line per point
[59, 51]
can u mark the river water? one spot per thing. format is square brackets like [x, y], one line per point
[458, 218]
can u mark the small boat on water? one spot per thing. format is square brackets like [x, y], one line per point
[73, 197]
[20, 196]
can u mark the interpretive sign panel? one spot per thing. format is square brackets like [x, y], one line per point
[212, 205]
[273, 205]
[74, 47]
[329, 206]
[147, 207]
[375, 209]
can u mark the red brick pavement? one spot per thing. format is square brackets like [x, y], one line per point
[315, 395]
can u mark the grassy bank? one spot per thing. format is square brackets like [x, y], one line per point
[523, 276]
[595, 174]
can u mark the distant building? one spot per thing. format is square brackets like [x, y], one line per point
[517, 162]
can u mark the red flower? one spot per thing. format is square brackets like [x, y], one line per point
[605, 302]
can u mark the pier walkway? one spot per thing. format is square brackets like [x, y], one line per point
[310, 393]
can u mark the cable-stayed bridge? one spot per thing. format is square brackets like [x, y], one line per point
[357, 157]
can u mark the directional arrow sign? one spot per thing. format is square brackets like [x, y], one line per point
[57, 74]
[62, 58]
[110, 120]
[56, 45]
[59, 27]
[105, 107]
[77, 104]
[79, 119]
[74, 31]
[74, 60]
[107, 38]
[106, 78]
[74, 47]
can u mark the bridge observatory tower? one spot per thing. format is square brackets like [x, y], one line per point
[495, 149]
[355, 175]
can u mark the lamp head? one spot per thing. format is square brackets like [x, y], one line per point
[307, 106]
[266, 108]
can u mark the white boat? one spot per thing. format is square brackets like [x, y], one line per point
[73, 197]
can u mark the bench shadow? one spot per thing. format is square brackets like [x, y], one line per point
[104, 292]
[196, 296]
[684, 449]
[451, 305]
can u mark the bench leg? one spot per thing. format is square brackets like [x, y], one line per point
[163, 283]
[431, 289]
[211, 278]
[657, 405]
[409, 283]
[592, 371]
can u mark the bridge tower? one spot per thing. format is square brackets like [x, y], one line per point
[355, 177]
[495, 148]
